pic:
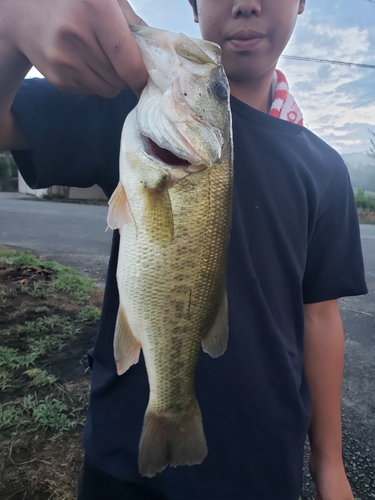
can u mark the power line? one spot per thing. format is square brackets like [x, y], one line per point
[363, 104]
[365, 95]
[341, 63]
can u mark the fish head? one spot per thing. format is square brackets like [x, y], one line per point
[184, 109]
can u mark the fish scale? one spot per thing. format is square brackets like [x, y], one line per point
[174, 224]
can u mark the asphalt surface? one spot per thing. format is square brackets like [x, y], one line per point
[72, 234]
[75, 235]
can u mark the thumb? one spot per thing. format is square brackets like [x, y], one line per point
[129, 13]
[120, 46]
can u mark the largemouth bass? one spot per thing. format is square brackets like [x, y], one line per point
[172, 207]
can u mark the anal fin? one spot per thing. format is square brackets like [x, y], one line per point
[215, 341]
[126, 347]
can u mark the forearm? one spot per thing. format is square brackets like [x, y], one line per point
[324, 359]
[13, 68]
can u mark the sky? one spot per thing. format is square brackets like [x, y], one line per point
[338, 102]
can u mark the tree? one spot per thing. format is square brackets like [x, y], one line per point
[6, 162]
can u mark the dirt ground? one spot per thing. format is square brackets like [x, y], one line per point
[46, 328]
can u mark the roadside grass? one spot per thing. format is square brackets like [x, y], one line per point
[32, 414]
[63, 278]
[48, 319]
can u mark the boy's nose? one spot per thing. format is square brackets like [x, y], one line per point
[246, 8]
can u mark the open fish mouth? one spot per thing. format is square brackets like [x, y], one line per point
[168, 158]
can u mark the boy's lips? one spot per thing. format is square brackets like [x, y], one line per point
[244, 40]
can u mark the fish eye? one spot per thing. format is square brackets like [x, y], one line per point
[220, 91]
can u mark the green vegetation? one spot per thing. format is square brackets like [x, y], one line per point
[7, 170]
[365, 200]
[54, 196]
[48, 322]
[88, 314]
[37, 339]
[361, 167]
[40, 377]
[30, 413]
[63, 278]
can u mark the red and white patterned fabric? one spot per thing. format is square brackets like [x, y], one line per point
[283, 104]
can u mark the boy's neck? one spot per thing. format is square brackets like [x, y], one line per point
[256, 93]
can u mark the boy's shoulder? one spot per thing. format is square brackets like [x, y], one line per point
[285, 142]
[324, 153]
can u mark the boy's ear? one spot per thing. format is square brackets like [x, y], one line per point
[301, 7]
[193, 4]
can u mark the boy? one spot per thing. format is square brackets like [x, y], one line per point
[294, 248]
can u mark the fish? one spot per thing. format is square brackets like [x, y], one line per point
[172, 207]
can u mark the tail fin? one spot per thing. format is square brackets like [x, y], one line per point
[171, 439]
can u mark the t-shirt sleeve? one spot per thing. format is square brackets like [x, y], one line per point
[334, 265]
[74, 139]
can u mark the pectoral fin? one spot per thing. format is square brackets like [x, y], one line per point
[216, 340]
[159, 215]
[126, 347]
[118, 212]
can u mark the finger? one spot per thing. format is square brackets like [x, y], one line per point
[82, 81]
[129, 13]
[121, 49]
[87, 49]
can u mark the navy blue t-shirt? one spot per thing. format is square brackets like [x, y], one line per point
[295, 240]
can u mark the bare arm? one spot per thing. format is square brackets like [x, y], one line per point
[82, 46]
[324, 360]
[13, 68]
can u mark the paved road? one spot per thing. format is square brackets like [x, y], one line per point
[358, 315]
[71, 234]
[74, 235]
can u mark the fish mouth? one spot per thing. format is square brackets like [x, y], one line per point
[168, 158]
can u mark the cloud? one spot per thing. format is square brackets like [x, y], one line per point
[337, 101]
[173, 15]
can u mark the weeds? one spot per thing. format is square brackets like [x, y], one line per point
[5, 378]
[8, 357]
[69, 281]
[39, 308]
[47, 414]
[54, 196]
[45, 324]
[20, 260]
[11, 415]
[40, 378]
[88, 314]
[35, 290]
[41, 336]
[65, 279]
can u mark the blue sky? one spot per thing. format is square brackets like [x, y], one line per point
[338, 101]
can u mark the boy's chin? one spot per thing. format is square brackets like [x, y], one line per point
[247, 73]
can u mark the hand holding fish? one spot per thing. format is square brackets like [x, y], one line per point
[81, 46]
